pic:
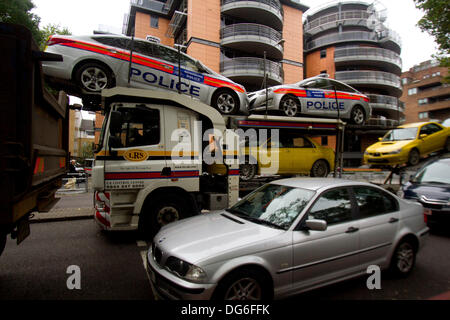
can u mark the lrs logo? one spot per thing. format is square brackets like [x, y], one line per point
[135, 155]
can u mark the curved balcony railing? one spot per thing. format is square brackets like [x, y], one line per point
[366, 53]
[328, 21]
[243, 7]
[375, 78]
[239, 35]
[364, 36]
[244, 67]
[389, 103]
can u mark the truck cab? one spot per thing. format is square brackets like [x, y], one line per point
[156, 160]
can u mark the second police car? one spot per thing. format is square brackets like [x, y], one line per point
[316, 96]
[97, 62]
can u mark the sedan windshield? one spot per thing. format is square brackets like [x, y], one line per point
[273, 205]
[401, 134]
[437, 172]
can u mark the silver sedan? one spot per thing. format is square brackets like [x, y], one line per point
[284, 238]
[317, 96]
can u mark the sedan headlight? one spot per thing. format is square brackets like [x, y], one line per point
[394, 152]
[185, 270]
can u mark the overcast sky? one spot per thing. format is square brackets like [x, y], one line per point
[84, 16]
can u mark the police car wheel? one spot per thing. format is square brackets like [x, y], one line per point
[357, 115]
[290, 106]
[94, 77]
[226, 102]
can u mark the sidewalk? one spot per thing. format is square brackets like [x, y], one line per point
[71, 206]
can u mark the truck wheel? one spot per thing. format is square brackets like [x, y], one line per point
[319, 169]
[164, 210]
[225, 101]
[94, 77]
[2, 242]
[247, 171]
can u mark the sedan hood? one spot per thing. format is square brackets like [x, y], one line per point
[209, 235]
[388, 146]
[430, 191]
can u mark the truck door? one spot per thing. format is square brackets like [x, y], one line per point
[136, 146]
[183, 148]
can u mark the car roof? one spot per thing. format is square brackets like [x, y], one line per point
[415, 124]
[315, 184]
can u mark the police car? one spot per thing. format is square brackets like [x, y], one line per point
[96, 62]
[316, 96]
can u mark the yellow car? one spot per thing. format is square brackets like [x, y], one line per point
[407, 143]
[291, 154]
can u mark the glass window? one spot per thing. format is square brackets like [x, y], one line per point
[333, 206]
[323, 53]
[165, 53]
[430, 129]
[401, 134]
[154, 20]
[412, 91]
[118, 42]
[139, 127]
[273, 205]
[143, 47]
[372, 202]
[436, 173]
[341, 86]
[301, 142]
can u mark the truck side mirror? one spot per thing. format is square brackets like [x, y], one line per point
[115, 122]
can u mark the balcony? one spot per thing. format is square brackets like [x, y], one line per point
[388, 105]
[251, 71]
[375, 57]
[253, 38]
[387, 39]
[346, 18]
[267, 12]
[372, 79]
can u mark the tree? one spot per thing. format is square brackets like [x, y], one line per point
[436, 22]
[18, 12]
[49, 30]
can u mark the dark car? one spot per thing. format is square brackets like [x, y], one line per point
[431, 187]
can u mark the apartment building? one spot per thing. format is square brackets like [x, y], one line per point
[350, 42]
[231, 37]
[425, 94]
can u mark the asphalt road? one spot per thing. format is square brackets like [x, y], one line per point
[111, 267]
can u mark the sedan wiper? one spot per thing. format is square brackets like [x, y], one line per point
[265, 222]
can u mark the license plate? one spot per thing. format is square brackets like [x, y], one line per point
[23, 230]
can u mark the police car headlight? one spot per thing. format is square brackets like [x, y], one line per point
[394, 152]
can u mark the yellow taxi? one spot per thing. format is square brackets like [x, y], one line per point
[407, 143]
[290, 154]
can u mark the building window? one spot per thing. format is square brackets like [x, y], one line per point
[436, 74]
[154, 21]
[405, 81]
[423, 101]
[323, 72]
[323, 53]
[324, 141]
[426, 76]
[423, 115]
[412, 91]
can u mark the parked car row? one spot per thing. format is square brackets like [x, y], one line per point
[96, 62]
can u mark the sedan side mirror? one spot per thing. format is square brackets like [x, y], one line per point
[316, 225]
[380, 139]
[423, 135]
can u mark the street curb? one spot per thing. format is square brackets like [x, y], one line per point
[66, 214]
[60, 219]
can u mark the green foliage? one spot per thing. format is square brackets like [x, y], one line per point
[87, 151]
[18, 12]
[50, 30]
[436, 22]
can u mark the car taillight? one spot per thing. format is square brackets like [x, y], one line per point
[426, 212]
[52, 40]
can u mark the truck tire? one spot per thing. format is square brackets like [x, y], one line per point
[2, 242]
[162, 211]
